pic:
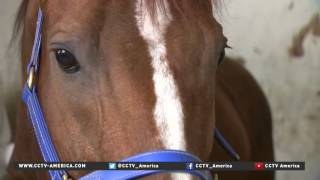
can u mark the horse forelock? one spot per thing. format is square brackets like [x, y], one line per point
[180, 5]
[184, 7]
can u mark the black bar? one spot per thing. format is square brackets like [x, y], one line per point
[213, 166]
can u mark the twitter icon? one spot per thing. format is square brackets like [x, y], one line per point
[112, 166]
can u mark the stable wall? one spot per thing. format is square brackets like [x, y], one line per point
[268, 37]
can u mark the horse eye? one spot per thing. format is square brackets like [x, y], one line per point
[67, 61]
[221, 57]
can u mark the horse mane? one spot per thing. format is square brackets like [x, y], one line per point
[183, 6]
[19, 20]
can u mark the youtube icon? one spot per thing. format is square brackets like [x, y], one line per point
[259, 165]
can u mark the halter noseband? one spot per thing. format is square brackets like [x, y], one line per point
[49, 152]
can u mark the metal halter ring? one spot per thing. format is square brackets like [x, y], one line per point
[30, 78]
[66, 177]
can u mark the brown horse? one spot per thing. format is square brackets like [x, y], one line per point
[119, 78]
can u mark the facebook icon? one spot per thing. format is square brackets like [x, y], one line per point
[190, 166]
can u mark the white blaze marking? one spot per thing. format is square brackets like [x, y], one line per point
[168, 112]
[168, 109]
